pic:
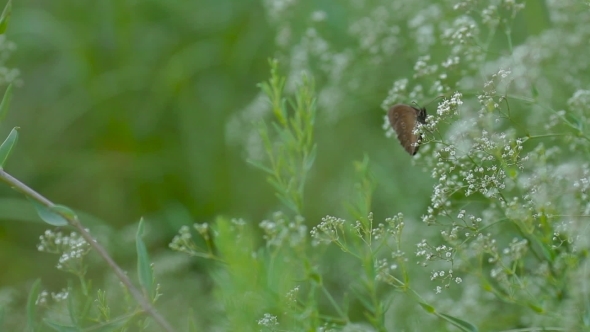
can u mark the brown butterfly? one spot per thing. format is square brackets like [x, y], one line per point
[403, 119]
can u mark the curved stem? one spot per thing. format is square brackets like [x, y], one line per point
[73, 221]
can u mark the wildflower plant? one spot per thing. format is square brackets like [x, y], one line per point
[506, 147]
[502, 239]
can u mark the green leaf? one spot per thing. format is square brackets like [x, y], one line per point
[64, 211]
[311, 158]
[316, 277]
[144, 268]
[536, 308]
[46, 214]
[60, 327]
[73, 311]
[32, 306]
[260, 166]
[573, 120]
[5, 104]
[427, 307]
[279, 187]
[534, 92]
[586, 316]
[192, 325]
[461, 324]
[5, 18]
[288, 202]
[364, 300]
[113, 325]
[548, 253]
[486, 286]
[7, 145]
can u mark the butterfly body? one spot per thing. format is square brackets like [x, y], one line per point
[403, 119]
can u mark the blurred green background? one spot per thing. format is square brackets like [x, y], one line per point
[124, 109]
[123, 112]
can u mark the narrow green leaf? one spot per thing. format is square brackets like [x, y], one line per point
[283, 109]
[291, 185]
[549, 253]
[586, 316]
[5, 18]
[573, 120]
[59, 327]
[32, 306]
[5, 104]
[114, 325]
[284, 134]
[260, 166]
[72, 307]
[534, 92]
[486, 286]
[311, 158]
[75, 310]
[288, 203]
[427, 307]
[366, 302]
[501, 294]
[8, 145]
[192, 325]
[144, 269]
[315, 277]
[461, 324]
[64, 211]
[49, 216]
[278, 187]
[536, 308]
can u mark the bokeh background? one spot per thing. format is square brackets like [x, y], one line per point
[123, 112]
[126, 110]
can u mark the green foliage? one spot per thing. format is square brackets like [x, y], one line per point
[5, 104]
[5, 17]
[54, 215]
[144, 268]
[484, 229]
[32, 318]
[8, 145]
[105, 312]
[292, 153]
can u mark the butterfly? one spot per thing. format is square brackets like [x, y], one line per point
[403, 119]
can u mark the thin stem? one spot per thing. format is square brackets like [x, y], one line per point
[546, 135]
[532, 329]
[508, 32]
[334, 304]
[569, 215]
[73, 221]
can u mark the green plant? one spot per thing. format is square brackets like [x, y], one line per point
[502, 243]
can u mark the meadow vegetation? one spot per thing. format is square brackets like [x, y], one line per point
[319, 221]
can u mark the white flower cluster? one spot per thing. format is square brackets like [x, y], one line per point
[377, 34]
[328, 231]
[384, 270]
[292, 296]
[268, 320]
[280, 231]
[182, 241]
[72, 249]
[434, 253]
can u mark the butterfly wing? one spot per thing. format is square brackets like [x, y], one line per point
[402, 119]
